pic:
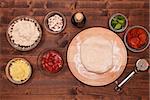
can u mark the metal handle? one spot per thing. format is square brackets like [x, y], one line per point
[118, 87]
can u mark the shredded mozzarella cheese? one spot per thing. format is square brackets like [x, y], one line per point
[55, 23]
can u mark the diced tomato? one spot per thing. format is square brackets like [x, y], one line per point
[52, 61]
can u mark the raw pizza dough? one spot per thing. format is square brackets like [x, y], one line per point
[97, 54]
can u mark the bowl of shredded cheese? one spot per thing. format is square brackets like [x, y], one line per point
[54, 22]
[18, 70]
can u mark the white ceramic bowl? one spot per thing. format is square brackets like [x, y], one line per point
[143, 47]
[121, 30]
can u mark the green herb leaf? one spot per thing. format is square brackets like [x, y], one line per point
[122, 22]
[118, 26]
[114, 23]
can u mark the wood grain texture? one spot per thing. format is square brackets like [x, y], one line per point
[65, 86]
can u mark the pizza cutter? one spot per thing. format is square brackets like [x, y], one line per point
[141, 65]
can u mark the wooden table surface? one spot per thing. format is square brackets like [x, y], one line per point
[65, 86]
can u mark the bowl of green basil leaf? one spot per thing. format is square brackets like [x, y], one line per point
[118, 22]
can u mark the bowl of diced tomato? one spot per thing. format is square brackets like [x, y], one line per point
[50, 62]
[137, 38]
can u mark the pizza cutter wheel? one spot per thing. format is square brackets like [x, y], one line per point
[141, 66]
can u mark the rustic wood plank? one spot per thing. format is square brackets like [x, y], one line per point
[65, 86]
[71, 97]
[7, 4]
[126, 5]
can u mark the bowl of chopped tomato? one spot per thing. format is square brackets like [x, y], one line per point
[137, 38]
[50, 62]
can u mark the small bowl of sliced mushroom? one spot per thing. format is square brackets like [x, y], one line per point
[54, 22]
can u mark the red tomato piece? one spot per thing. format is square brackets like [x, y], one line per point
[52, 61]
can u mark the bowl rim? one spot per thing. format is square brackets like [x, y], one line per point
[121, 30]
[52, 13]
[20, 48]
[8, 74]
[125, 38]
